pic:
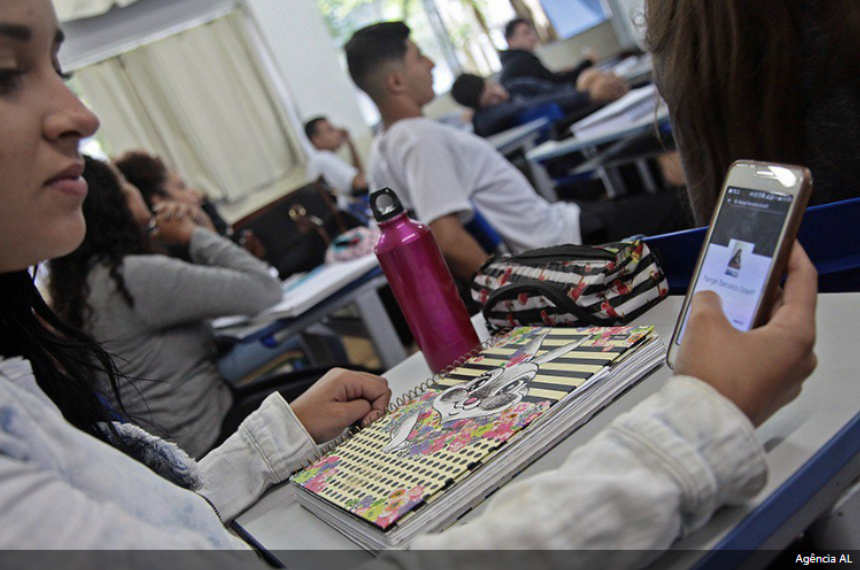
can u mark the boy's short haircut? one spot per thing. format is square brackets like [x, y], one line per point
[511, 27]
[311, 126]
[371, 48]
[467, 90]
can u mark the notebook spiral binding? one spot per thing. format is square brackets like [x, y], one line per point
[404, 399]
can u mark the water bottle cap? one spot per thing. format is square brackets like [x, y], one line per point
[385, 205]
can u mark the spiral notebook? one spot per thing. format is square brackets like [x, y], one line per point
[445, 446]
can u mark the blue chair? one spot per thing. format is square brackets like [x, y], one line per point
[828, 233]
[551, 111]
[485, 234]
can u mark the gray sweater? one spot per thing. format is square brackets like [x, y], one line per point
[164, 343]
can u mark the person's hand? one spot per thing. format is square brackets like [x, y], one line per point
[760, 370]
[338, 400]
[586, 78]
[605, 88]
[174, 222]
[344, 135]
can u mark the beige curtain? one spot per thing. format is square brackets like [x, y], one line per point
[68, 10]
[201, 100]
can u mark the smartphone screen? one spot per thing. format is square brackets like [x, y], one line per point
[741, 252]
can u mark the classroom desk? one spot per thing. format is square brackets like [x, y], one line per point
[614, 183]
[812, 452]
[522, 138]
[363, 292]
[555, 149]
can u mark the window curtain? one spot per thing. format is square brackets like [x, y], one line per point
[200, 100]
[68, 10]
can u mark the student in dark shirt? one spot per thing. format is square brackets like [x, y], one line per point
[497, 110]
[523, 72]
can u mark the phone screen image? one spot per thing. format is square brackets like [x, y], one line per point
[741, 251]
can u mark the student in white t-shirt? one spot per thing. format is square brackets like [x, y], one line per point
[347, 180]
[442, 174]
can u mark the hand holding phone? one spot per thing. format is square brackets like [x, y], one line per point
[760, 370]
[747, 245]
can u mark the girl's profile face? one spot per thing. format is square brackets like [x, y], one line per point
[41, 124]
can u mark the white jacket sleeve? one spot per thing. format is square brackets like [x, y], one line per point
[655, 474]
[268, 446]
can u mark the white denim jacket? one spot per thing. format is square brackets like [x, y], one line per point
[655, 474]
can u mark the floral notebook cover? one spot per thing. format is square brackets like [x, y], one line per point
[410, 456]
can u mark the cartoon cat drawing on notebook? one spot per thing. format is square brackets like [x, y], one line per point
[487, 395]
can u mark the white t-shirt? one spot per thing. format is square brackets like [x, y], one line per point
[437, 170]
[338, 173]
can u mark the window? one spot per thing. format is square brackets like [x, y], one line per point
[571, 17]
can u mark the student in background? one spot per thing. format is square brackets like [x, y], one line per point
[496, 110]
[522, 71]
[444, 174]
[775, 81]
[158, 184]
[70, 478]
[347, 180]
[152, 311]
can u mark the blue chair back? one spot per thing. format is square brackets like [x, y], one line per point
[828, 233]
[551, 111]
[480, 229]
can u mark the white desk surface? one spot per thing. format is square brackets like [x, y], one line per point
[552, 149]
[511, 139]
[830, 399]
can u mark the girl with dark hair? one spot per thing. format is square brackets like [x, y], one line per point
[775, 80]
[72, 479]
[153, 311]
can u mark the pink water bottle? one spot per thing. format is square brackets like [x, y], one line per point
[422, 283]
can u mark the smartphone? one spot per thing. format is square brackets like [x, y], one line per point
[748, 242]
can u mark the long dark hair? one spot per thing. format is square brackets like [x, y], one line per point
[66, 362]
[112, 234]
[730, 71]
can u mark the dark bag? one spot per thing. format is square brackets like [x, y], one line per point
[297, 229]
[571, 285]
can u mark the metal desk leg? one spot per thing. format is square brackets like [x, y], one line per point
[543, 183]
[380, 328]
[646, 176]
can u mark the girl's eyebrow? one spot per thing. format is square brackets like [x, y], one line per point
[16, 32]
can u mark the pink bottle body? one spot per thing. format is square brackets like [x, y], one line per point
[425, 291]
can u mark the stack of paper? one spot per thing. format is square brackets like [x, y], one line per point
[637, 106]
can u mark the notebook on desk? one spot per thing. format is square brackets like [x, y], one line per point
[448, 444]
[638, 105]
[303, 291]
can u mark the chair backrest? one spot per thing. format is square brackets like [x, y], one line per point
[828, 233]
[551, 111]
[289, 247]
[485, 234]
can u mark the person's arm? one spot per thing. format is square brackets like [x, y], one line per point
[223, 280]
[272, 442]
[663, 469]
[462, 253]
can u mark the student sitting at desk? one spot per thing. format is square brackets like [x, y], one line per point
[152, 311]
[72, 478]
[496, 110]
[347, 180]
[444, 174]
[158, 183]
[522, 71]
[776, 81]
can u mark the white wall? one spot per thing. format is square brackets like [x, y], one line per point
[565, 53]
[302, 48]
